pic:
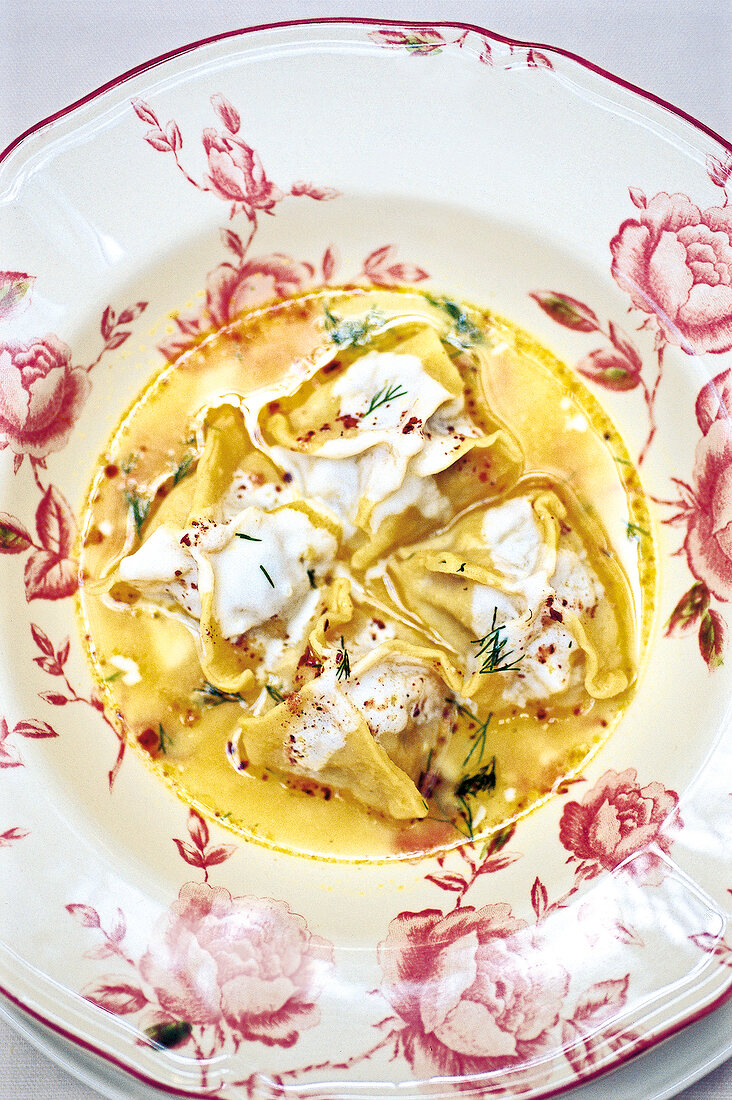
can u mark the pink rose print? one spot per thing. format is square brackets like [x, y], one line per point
[675, 262]
[704, 508]
[473, 992]
[708, 542]
[41, 396]
[249, 964]
[236, 173]
[235, 170]
[230, 290]
[615, 820]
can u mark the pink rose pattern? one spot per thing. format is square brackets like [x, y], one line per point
[675, 262]
[219, 970]
[41, 397]
[472, 991]
[423, 41]
[617, 820]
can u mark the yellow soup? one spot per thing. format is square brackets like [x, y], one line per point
[366, 574]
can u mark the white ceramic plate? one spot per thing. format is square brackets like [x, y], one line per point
[447, 157]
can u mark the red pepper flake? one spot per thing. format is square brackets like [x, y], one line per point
[149, 740]
[556, 615]
[186, 540]
[94, 537]
[411, 424]
[111, 470]
[348, 421]
[287, 477]
[483, 476]
[379, 623]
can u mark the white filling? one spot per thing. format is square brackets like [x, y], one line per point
[165, 571]
[389, 694]
[247, 490]
[533, 572]
[256, 566]
[325, 719]
[378, 461]
[129, 669]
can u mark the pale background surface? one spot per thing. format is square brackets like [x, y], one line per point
[52, 52]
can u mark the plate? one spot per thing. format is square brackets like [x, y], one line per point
[260, 164]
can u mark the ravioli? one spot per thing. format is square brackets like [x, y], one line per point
[339, 603]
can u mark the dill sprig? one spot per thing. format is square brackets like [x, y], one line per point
[492, 649]
[384, 396]
[214, 697]
[345, 331]
[480, 733]
[479, 743]
[274, 693]
[467, 815]
[272, 583]
[249, 538]
[343, 662]
[183, 468]
[139, 507]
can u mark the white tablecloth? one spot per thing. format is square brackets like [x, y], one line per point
[54, 51]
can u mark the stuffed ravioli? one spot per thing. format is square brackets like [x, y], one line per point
[345, 589]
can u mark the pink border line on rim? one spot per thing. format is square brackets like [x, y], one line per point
[145, 66]
[365, 21]
[171, 1090]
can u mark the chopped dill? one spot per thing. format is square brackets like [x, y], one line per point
[343, 662]
[130, 462]
[139, 507]
[634, 532]
[492, 647]
[115, 676]
[249, 538]
[213, 696]
[465, 332]
[183, 468]
[163, 737]
[266, 573]
[385, 395]
[311, 578]
[345, 331]
[478, 782]
[274, 693]
[461, 709]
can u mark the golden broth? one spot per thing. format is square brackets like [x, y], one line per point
[558, 441]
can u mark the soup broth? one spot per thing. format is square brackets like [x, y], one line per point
[365, 574]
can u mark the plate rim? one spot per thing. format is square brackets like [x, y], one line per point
[84, 1043]
[341, 20]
